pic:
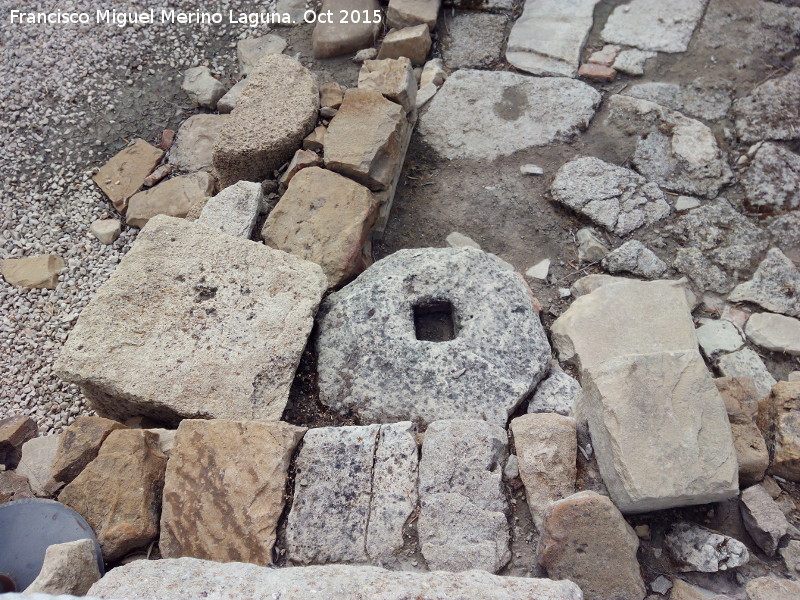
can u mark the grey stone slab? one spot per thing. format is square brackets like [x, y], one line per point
[654, 24]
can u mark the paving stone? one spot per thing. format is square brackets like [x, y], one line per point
[778, 420]
[547, 448]
[635, 258]
[775, 285]
[632, 61]
[372, 362]
[14, 432]
[771, 110]
[195, 303]
[173, 198]
[68, 568]
[337, 38]
[234, 210]
[119, 492]
[224, 489]
[123, 175]
[276, 110]
[394, 78]
[718, 337]
[774, 332]
[746, 363]
[585, 539]
[194, 145]
[654, 25]
[106, 230]
[462, 523]
[202, 87]
[762, 518]
[324, 218]
[704, 98]
[771, 588]
[227, 103]
[36, 464]
[487, 114]
[695, 548]
[407, 13]
[785, 233]
[411, 42]
[39, 271]
[557, 393]
[473, 40]
[773, 178]
[14, 486]
[79, 445]
[251, 50]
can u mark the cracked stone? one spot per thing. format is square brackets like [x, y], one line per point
[775, 285]
[695, 548]
[635, 258]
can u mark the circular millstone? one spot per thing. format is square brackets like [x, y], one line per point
[431, 334]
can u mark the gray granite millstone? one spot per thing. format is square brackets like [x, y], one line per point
[371, 363]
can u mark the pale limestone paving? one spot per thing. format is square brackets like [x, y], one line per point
[632, 61]
[194, 143]
[338, 38]
[234, 210]
[654, 25]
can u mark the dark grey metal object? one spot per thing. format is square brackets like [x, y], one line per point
[27, 528]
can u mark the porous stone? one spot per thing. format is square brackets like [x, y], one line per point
[424, 95]
[250, 50]
[195, 140]
[590, 247]
[123, 175]
[394, 78]
[14, 432]
[185, 290]
[718, 337]
[234, 210]
[324, 218]
[202, 87]
[407, 13]
[224, 489]
[462, 523]
[372, 363]
[684, 203]
[654, 25]
[547, 449]
[773, 178]
[774, 332]
[173, 198]
[473, 40]
[412, 42]
[276, 110]
[79, 445]
[14, 486]
[614, 197]
[487, 114]
[774, 286]
[68, 568]
[695, 548]
[585, 539]
[746, 363]
[459, 240]
[336, 38]
[763, 519]
[36, 464]
[778, 420]
[558, 393]
[227, 103]
[632, 61]
[771, 110]
[635, 258]
[119, 492]
[106, 230]
[39, 271]
[785, 233]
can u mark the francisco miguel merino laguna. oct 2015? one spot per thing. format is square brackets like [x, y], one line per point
[147, 17]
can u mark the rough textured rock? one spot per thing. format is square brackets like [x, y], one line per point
[485, 115]
[703, 98]
[741, 402]
[775, 285]
[678, 153]
[79, 445]
[276, 110]
[547, 449]
[394, 78]
[791, 558]
[785, 233]
[407, 13]
[123, 175]
[224, 489]
[325, 218]
[69, 568]
[372, 362]
[302, 159]
[635, 258]
[173, 198]
[770, 588]
[548, 37]
[337, 38]
[185, 290]
[106, 230]
[227, 103]
[774, 332]
[557, 393]
[473, 40]
[14, 486]
[586, 540]
[746, 363]
[412, 42]
[682, 590]
[632, 61]
[234, 210]
[119, 492]
[251, 50]
[590, 247]
[202, 87]
[39, 271]
[654, 25]
[462, 523]
[778, 420]
[695, 548]
[763, 519]
[614, 197]
[771, 110]
[773, 178]
[37, 464]
[14, 432]
[433, 72]
[186, 577]
[194, 144]
[719, 337]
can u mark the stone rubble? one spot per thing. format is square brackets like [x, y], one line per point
[33, 271]
[79, 445]
[459, 240]
[36, 464]
[474, 40]
[407, 13]
[654, 25]
[433, 72]
[774, 286]
[696, 548]
[412, 42]
[234, 210]
[703, 98]
[14, 486]
[106, 230]
[635, 258]
[202, 87]
[250, 51]
[124, 174]
[762, 518]
[337, 38]
[774, 332]
[770, 588]
[173, 198]
[557, 393]
[632, 61]
[590, 246]
[394, 78]
[68, 568]
[228, 102]
[719, 337]
[773, 178]
[747, 363]
[741, 403]
[14, 432]
[778, 421]
[194, 144]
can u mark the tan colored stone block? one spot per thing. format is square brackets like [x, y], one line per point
[123, 175]
[33, 271]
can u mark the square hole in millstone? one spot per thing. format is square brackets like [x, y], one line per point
[434, 321]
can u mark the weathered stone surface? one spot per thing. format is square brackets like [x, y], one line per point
[771, 110]
[189, 577]
[614, 197]
[547, 448]
[763, 519]
[771, 588]
[79, 445]
[590, 247]
[412, 42]
[119, 492]
[632, 61]
[682, 590]
[202, 87]
[773, 178]
[741, 402]
[485, 115]
[325, 218]
[703, 98]
[123, 175]
[195, 140]
[39, 271]
[791, 558]
[746, 363]
[337, 38]
[302, 159]
[779, 420]
[654, 25]
[106, 230]
[407, 13]
[775, 285]
[459, 240]
[635, 258]
[785, 232]
[548, 37]
[234, 210]
[315, 141]
[557, 393]
[224, 489]
[372, 363]
[69, 568]
[14, 486]
[249, 51]
[473, 40]
[462, 523]
[586, 540]
[678, 153]
[394, 78]
[331, 95]
[185, 290]
[173, 198]
[36, 464]
[695, 548]
[276, 110]
[14, 432]
[774, 332]
[227, 103]
[719, 337]
[433, 72]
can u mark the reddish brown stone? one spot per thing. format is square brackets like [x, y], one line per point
[597, 72]
[79, 445]
[167, 137]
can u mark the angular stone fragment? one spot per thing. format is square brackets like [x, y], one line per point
[331, 95]
[249, 51]
[119, 492]
[79, 445]
[39, 271]
[462, 523]
[338, 37]
[778, 420]
[160, 173]
[774, 332]
[586, 540]
[14, 432]
[234, 210]
[635, 258]
[746, 363]
[276, 110]
[632, 61]
[315, 141]
[224, 489]
[719, 337]
[590, 247]
[195, 140]
[775, 285]
[703, 98]
[763, 519]
[771, 588]
[741, 402]
[36, 464]
[771, 110]
[695, 548]
[682, 590]
[597, 72]
[459, 240]
[202, 87]
[227, 103]
[605, 56]
[373, 362]
[547, 448]
[785, 232]
[123, 175]
[234, 581]
[473, 40]
[69, 568]
[106, 230]
[412, 42]
[773, 178]
[407, 13]
[548, 37]
[654, 25]
[196, 303]
[173, 198]
[14, 486]
[394, 78]
[558, 393]
[302, 159]
[433, 72]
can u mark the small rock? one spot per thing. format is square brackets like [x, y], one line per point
[606, 56]
[68, 568]
[632, 61]
[124, 174]
[473, 40]
[407, 13]
[746, 363]
[539, 270]
[249, 51]
[365, 55]
[14, 432]
[331, 95]
[635, 258]
[775, 285]
[235, 209]
[33, 272]
[79, 445]
[315, 141]
[770, 588]
[531, 170]
[14, 486]
[558, 393]
[686, 203]
[106, 230]
[411, 42]
[741, 403]
[336, 38]
[194, 146]
[778, 420]
[785, 232]
[661, 585]
[459, 240]
[173, 197]
[36, 464]
[762, 518]
[227, 103]
[597, 72]
[718, 337]
[202, 88]
[327, 113]
[392, 78]
[433, 72]
[160, 173]
[511, 470]
[774, 332]
[695, 548]
[591, 248]
[424, 94]
[791, 558]
[167, 137]
[302, 159]
[773, 178]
